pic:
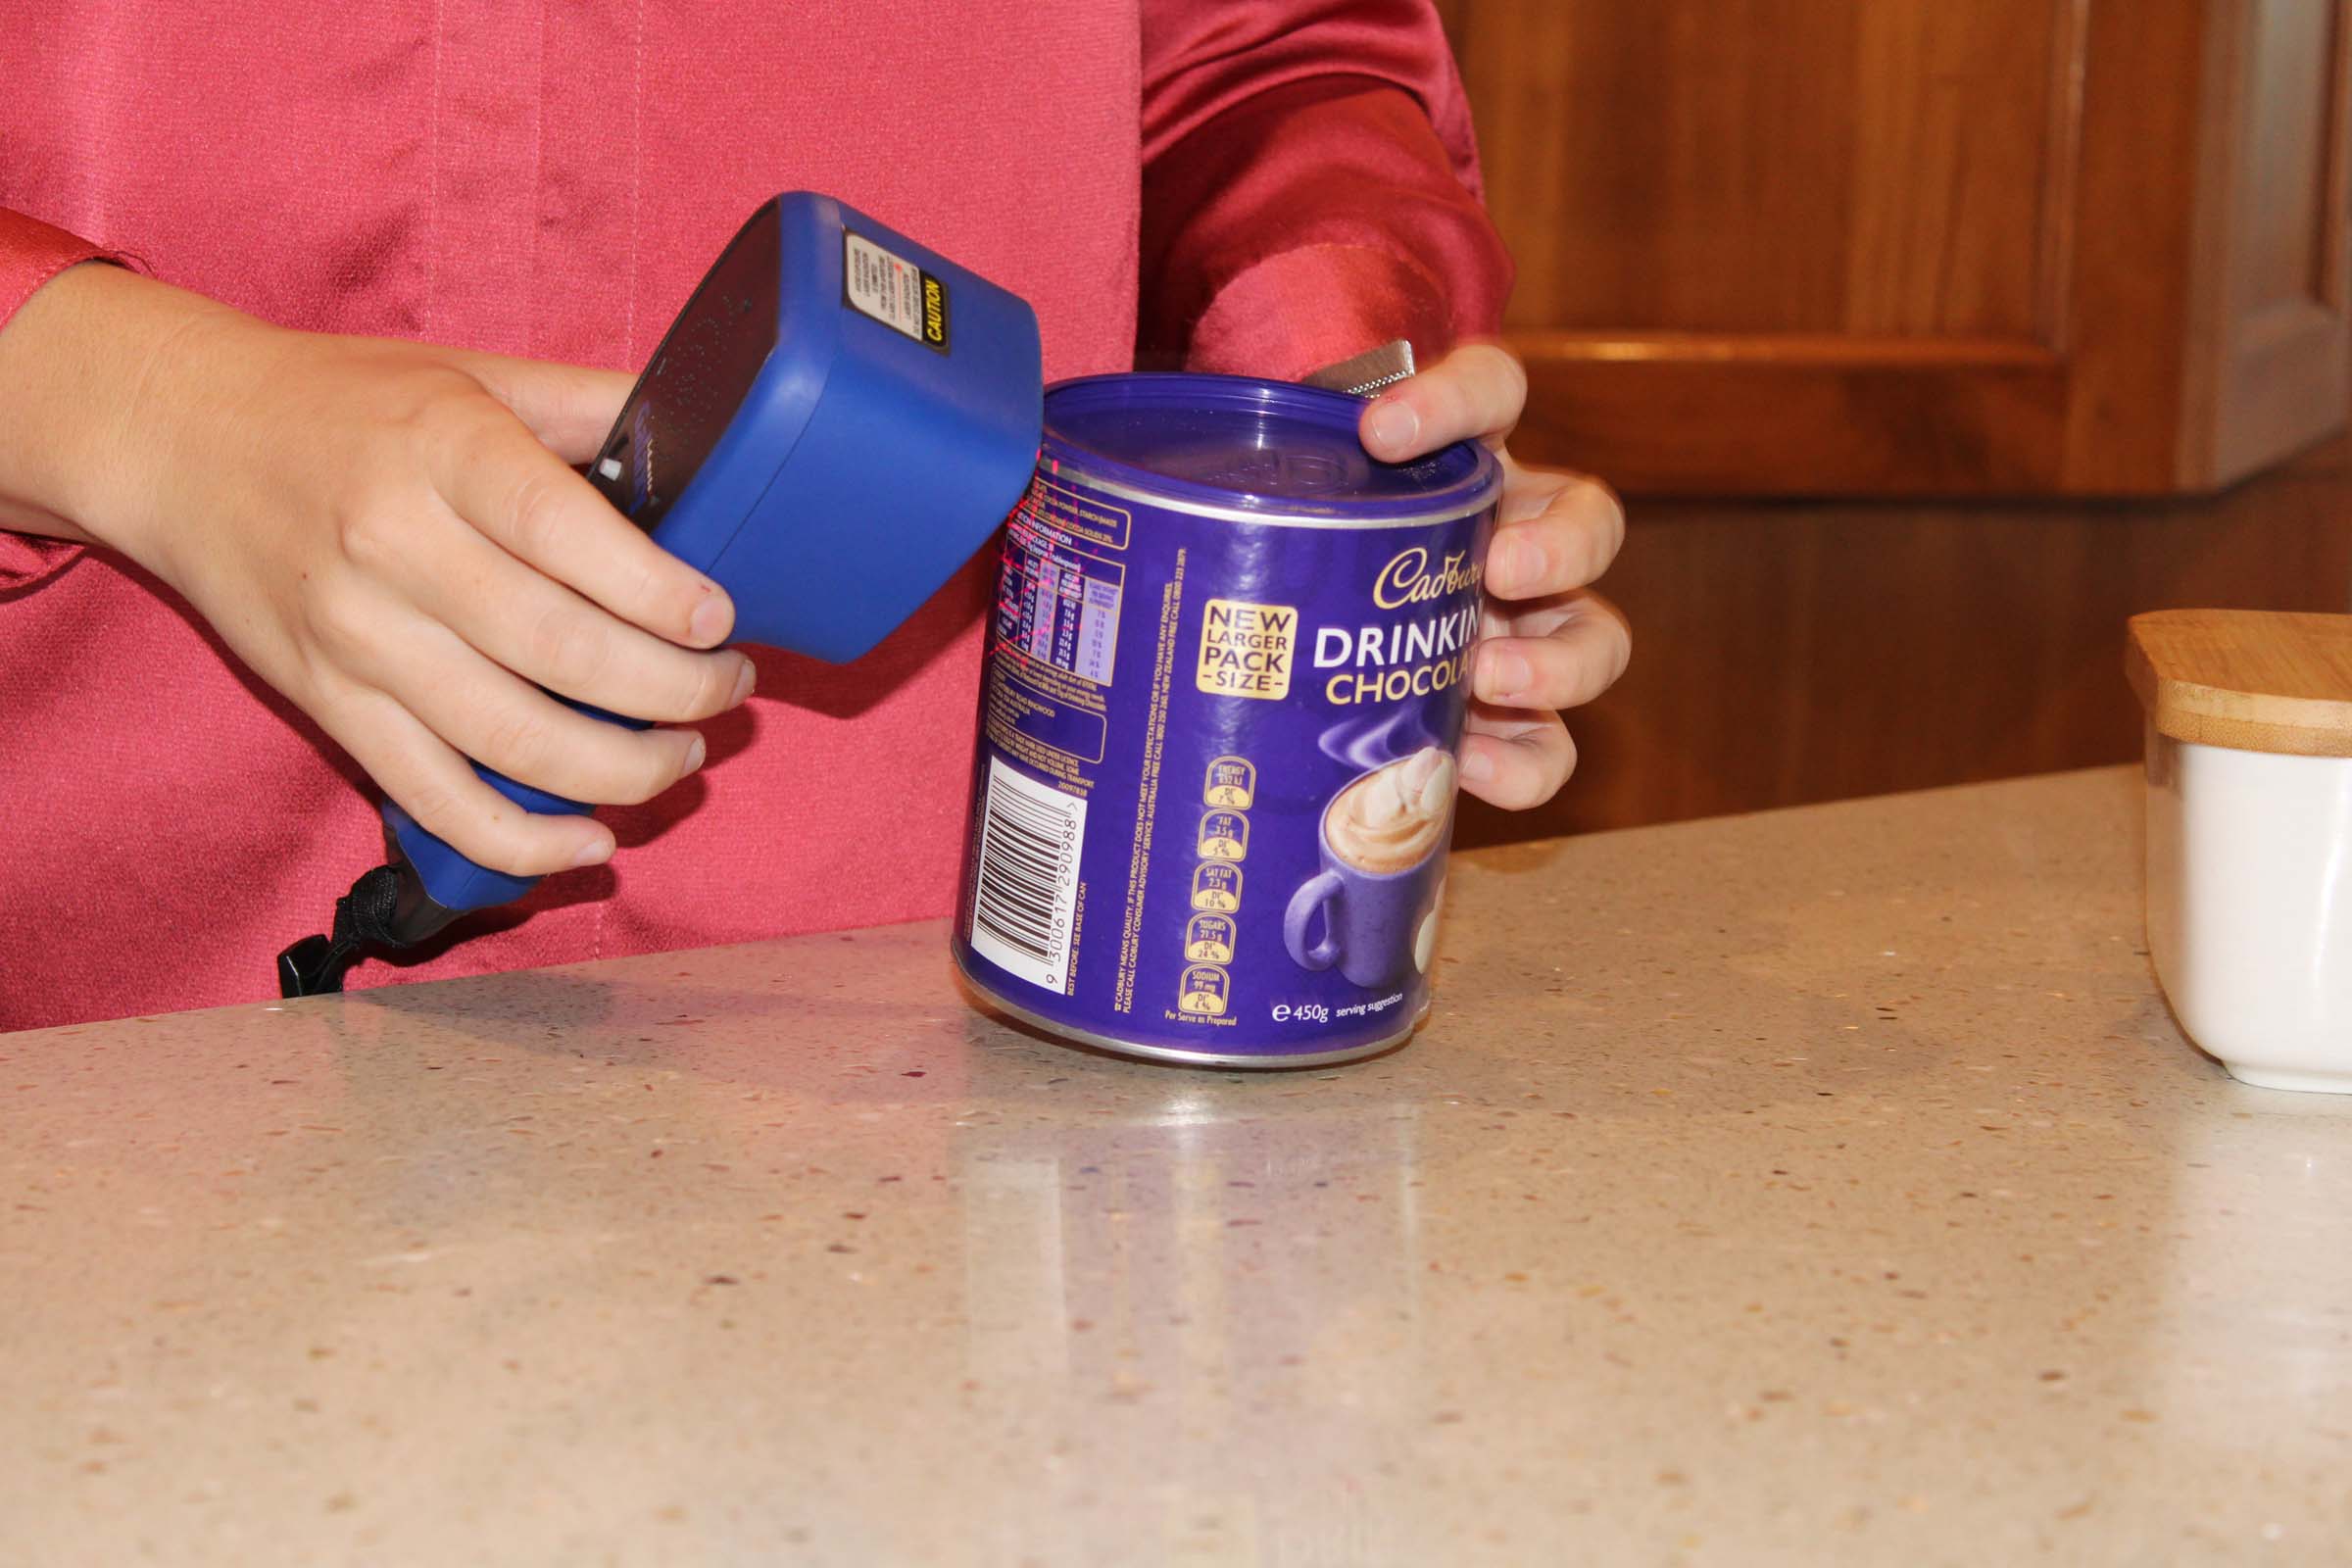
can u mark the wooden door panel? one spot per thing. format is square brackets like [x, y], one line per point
[1686, 221]
[2278, 360]
[2291, 85]
[1917, 246]
[1733, 166]
[1966, 124]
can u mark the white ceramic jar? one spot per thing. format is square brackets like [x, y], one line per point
[2249, 852]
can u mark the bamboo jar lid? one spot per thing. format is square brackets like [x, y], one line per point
[2252, 680]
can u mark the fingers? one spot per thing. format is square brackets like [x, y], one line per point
[1473, 394]
[507, 724]
[1535, 659]
[548, 634]
[522, 574]
[1558, 532]
[433, 784]
[1550, 644]
[497, 719]
[1514, 759]
[570, 408]
[1561, 652]
[520, 496]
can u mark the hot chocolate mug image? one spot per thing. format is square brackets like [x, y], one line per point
[1381, 846]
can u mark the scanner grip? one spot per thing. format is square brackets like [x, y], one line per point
[452, 882]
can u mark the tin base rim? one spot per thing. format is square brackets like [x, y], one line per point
[1069, 1034]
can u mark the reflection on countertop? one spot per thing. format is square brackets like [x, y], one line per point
[1818, 1186]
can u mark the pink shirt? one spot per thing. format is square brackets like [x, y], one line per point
[1242, 184]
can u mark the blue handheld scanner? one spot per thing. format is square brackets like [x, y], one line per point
[837, 420]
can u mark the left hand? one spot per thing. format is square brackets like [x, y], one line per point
[1548, 641]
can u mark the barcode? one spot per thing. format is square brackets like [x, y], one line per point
[1028, 891]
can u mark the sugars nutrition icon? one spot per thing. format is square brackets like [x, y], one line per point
[1208, 939]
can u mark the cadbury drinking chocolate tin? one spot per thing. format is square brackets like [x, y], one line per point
[1224, 689]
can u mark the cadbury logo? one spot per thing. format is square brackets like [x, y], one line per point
[1408, 578]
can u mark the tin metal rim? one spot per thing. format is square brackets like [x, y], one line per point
[1058, 464]
[1170, 1054]
[1255, 414]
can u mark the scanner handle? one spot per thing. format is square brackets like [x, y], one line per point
[437, 884]
[451, 884]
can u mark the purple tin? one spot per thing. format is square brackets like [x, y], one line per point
[1224, 691]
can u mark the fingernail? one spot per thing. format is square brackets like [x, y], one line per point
[596, 851]
[745, 679]
[696, 751]
[1507, 675]
[1477, 767]
[1393, 424]
[711, 619]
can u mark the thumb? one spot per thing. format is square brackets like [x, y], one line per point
[570, 408]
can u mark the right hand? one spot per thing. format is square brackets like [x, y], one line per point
[387, 532]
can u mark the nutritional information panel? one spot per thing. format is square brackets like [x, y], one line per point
[1058, 605]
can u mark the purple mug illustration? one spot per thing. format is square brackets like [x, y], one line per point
[1382, 841]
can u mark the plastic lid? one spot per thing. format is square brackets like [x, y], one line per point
[2252, 680]
[1230, 442]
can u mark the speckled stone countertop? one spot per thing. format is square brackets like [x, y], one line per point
[1826, 1186]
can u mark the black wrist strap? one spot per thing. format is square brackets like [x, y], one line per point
[314, 965]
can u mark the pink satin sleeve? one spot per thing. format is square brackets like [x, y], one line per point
[1310, 186]
[32, 253]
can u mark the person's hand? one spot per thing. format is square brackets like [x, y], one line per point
[388, 533]
[1548, 641]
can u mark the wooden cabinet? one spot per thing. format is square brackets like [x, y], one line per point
[1920, 247]
[1886, 292]
[1805, 651]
